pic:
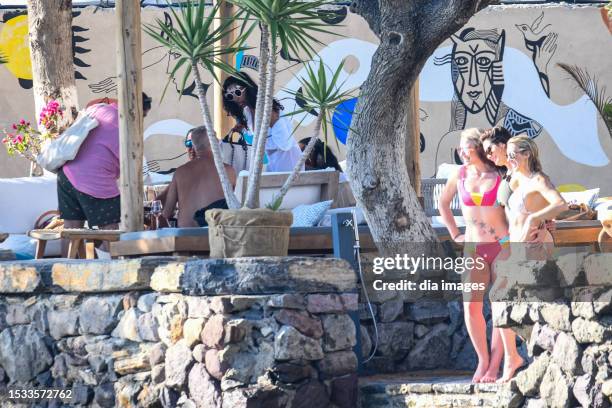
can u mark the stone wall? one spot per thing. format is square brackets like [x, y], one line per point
[569, 339]
[181, 333]
[416, 331]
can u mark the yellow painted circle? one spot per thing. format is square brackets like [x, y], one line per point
[570, 188]
[14, 47]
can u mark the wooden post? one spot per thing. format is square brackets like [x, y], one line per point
[129, 73]
[413, 146]
[222, 122]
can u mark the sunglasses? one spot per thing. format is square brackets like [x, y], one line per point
[188, 143]
[236, 93]
[512, 155]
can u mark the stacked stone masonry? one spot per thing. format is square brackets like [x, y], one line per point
[186, 343]
[569, 339]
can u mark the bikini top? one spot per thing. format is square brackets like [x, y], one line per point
[516, 202]
[486, 199]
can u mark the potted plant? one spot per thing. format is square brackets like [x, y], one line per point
[245, 229]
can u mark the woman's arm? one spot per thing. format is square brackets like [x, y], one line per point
[556, 203]
[444, 206]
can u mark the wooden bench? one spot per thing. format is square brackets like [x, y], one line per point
[81, 241]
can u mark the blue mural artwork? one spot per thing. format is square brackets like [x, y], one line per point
[342, 117]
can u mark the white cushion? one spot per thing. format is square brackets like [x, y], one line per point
[445, 170]
[587, 197]
[23, 200]
[22, 246]
[297, 195]
[309, 215]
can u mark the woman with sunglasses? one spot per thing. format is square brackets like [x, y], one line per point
[486, 232]
[533, 201]
[239, 101]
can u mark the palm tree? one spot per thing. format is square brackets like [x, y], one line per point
[284, 24]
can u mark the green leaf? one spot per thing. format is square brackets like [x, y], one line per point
[196, 38]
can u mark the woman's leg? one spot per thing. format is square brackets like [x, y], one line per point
[497, 353]
[512, 359]
[475, 322]
[497, 345]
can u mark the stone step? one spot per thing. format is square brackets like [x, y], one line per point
[425, 389]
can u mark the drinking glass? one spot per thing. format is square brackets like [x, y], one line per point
[156, 210]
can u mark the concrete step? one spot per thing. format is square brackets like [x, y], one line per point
[425, 389]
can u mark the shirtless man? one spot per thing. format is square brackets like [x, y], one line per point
[195, 184]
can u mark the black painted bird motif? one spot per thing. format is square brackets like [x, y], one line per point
[542, 43]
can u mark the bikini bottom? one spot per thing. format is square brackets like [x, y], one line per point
[488, 251]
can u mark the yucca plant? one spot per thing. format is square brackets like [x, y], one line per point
[320, 93]
[284, 24]
[194, 38]
[291, 24]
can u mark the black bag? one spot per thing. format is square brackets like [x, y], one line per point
[236, 153]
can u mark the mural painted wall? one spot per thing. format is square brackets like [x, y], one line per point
[501, 68]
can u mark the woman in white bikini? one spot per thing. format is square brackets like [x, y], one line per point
[533, 201]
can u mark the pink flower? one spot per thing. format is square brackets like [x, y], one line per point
[14, 126]
[19, 139]
[22, 122]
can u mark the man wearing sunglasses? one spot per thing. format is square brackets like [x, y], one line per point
[189, 145]
[195, 186]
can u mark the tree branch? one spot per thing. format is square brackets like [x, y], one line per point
[370, 11]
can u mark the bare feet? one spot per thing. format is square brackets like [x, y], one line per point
[491, 375]
[480, 371]
[510, 367]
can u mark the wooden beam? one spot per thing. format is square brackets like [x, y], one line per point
[222, 122]
[129, 73]
[413, 146]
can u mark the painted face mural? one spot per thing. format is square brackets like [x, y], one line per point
[476, 63]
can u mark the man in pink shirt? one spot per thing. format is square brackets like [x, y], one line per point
[87, 186]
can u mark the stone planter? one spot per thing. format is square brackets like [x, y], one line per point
[245, 233]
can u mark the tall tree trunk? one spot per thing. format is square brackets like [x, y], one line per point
[252, 199]
[409, 32]
[50, 41]
[228, 191]
[50, 33]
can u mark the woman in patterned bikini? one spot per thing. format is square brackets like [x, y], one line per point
[486, 232]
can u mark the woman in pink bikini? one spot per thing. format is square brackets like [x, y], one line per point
[486, 232]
